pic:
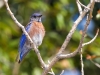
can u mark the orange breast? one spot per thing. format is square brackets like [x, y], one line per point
[37, 28]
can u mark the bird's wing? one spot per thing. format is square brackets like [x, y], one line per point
[22, 47]
[23, 38]
[22, 42]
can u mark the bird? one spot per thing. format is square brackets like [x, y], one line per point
[36, 31]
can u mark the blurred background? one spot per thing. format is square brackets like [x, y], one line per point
[58, 18]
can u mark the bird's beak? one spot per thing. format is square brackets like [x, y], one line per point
[40, 15]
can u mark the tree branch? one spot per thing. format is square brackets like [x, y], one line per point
[82, 64]
[82, 5]
[79, 6]
[80, 45]
[96, 64]
[59, 55]
[97, 1]
[91, 40]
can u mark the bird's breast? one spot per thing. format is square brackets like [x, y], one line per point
[37, 32]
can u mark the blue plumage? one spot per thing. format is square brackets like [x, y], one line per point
[23, 37]
[22, 42]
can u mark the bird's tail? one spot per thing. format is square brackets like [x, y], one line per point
[21, 55]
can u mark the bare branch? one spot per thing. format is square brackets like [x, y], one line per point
[24, 31]
[82, 64]
[52, 72]
[80, 44]
[68, 37]
[79, 7]
[81, 41]
[93, 57]
[97, 0]
[83, 5]
[62, 72]
[92, 39]
[59, 55]
[96, 64]
[92, 6]
[88, 20]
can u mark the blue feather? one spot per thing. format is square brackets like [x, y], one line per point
[23, 38]
[28, 27]
[23, 41]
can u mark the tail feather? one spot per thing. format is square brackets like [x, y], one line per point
[21, 56]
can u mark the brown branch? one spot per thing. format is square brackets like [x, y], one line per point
[24, 31]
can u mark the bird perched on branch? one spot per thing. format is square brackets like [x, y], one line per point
[36, 31]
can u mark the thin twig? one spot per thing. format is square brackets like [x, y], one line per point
[96, 64]
[92, 6]
[92, 39]
[52, 72]
[83, 5]
[24, 31]
[62, 72]
[79, 6]
[89, 17]
[82, 64]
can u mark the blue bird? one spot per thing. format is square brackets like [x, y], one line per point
[36, 31]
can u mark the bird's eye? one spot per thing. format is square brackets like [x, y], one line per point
[34, 16]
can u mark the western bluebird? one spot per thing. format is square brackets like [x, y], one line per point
[36, 31]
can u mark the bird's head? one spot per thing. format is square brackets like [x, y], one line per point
[36, 17]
